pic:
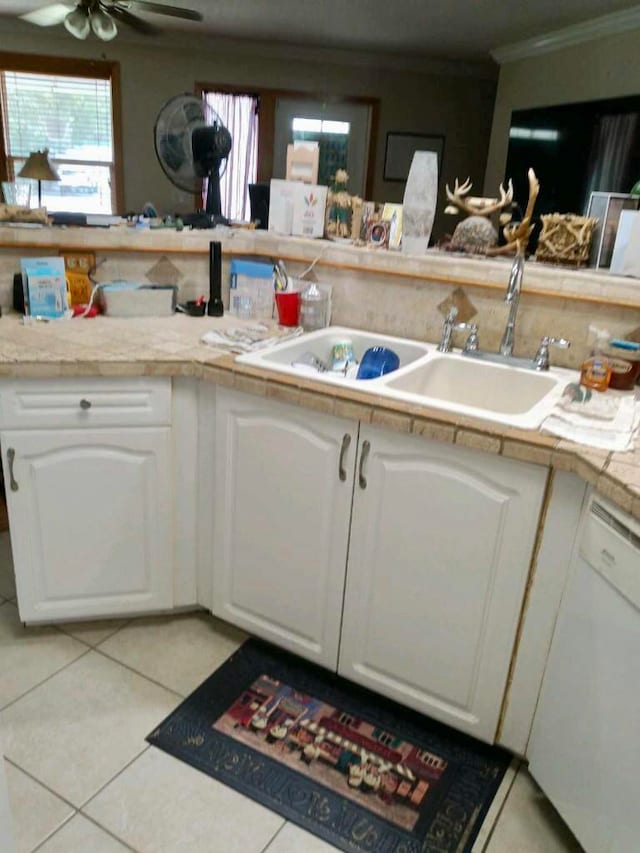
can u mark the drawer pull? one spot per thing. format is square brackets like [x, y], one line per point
[11, 455]
[362, 480]
[85, 404]
[346, 441]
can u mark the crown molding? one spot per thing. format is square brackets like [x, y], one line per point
[605, 25]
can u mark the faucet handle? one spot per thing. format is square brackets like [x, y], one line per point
[541, 358]
[472, 342]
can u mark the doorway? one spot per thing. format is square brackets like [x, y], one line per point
[341, 129]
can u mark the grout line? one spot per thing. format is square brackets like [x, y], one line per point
[40, 844]
[274, 836]
[112, 779]
[108, 831]
[44, 680]
[180, 696]
[41, 783]
[68, 633]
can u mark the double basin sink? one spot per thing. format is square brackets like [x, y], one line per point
[510, 395]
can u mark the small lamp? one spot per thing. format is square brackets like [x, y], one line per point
[39, 169]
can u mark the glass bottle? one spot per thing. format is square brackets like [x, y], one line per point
[314, 308]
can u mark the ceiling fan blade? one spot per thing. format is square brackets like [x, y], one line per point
[130, 20]
[162, 9]
[48, 16]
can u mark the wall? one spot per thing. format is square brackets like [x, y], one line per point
[421, 96]
[603, 68]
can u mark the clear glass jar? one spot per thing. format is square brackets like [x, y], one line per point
[314, 308]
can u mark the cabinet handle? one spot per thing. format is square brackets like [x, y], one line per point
[11, 455]
[362, 480]
[85, 404]
[346, 441]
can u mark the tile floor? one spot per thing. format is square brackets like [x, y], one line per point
[76, 702]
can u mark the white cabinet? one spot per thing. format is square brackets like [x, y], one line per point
[282, 504]
[89, 507]
[438, 539]
[440, 548]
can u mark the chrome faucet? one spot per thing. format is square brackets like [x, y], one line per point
[512, 296]
[450, 326]
[505, 354]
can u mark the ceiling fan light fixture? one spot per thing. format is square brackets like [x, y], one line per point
[77, 22]
[103, 25]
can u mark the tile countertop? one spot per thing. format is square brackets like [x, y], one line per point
[171, 347]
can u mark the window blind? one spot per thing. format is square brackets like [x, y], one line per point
[71, 116]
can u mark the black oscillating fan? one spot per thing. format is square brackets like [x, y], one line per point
[192, 145]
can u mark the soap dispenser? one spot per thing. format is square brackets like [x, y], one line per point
[596, 370]
[314, 308]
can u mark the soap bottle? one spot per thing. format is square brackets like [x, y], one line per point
[596, 371]
[314, 308]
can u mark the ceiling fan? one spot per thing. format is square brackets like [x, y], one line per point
[100, 16]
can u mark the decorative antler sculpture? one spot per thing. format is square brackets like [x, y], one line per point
[477, 206]
[519, 232]
[476, 233]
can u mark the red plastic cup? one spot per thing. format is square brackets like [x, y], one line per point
[288, 305]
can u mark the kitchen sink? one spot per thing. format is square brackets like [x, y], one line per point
[504, 393]
[298, 356]
[510, 395]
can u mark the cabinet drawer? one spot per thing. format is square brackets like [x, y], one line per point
[95, 402]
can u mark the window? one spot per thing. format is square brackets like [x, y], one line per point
[333, 141]
[239, 114]
[69, 107]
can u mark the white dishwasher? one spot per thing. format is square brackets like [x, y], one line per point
[584, 749]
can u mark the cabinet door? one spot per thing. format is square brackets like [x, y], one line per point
[90, 518]
[281, 524]
[441, 543]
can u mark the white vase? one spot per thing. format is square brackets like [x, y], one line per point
[419, 203]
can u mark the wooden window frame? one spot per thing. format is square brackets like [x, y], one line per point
[98, 69]
[267, 99]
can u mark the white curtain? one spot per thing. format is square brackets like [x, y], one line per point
[611, 148]
[239, 114]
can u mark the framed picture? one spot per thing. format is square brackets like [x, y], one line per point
[607, 207]
[378, 233]
[392, 213]
[400, 149]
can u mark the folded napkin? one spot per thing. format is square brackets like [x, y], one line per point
[609, 421]
[248, 338]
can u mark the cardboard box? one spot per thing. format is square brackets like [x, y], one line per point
[309, 206]
[298, 209]
[45, 287]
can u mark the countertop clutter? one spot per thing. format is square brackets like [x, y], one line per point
[171, 347]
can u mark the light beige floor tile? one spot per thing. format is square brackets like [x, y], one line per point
[177, 651]
[80, 835]
[161, 804]
[529, 823]
[496, 806]
[35, 812]
[292, 839]
[77, 730]
[7, 579]
[29, 655]
[95, 632]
